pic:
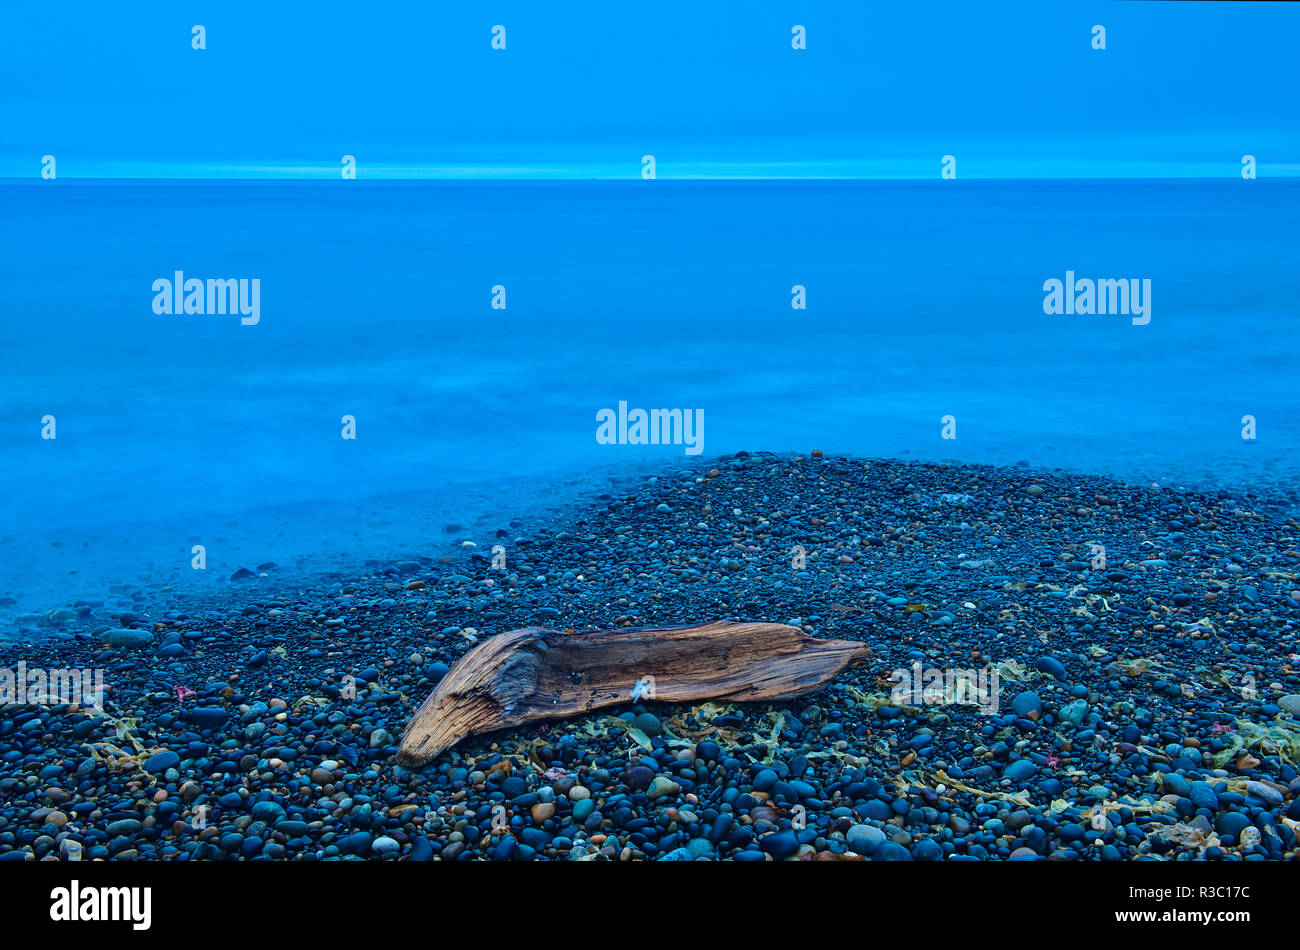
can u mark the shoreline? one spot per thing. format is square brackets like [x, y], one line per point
[1149, 697]
[468, 511]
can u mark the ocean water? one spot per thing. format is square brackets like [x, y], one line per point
[924, 299]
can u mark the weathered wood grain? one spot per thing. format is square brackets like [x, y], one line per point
[532, 674]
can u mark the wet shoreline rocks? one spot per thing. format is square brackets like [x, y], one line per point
[1146, 691]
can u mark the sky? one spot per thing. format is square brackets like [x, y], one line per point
[414, 89]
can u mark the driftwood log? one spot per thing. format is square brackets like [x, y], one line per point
[532, 674]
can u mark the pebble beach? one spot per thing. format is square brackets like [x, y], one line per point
[1143, 642]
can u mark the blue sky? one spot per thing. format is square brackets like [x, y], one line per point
[414, 89]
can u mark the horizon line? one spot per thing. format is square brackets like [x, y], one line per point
[980, 166]
[542, 179]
